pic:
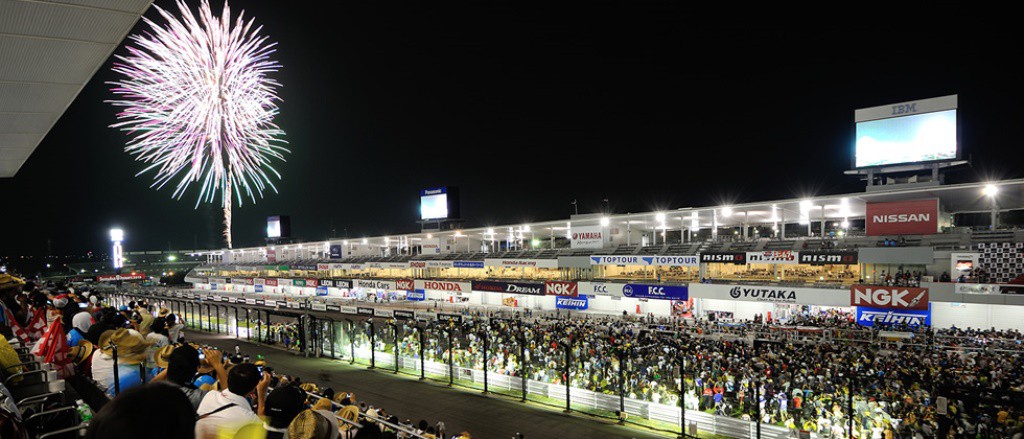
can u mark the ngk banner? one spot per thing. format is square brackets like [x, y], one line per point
[586, 237]
[828, 257]
[405, 284]
[916, 217]
[437, 285]
[889, 297]
[786, 257]
[737, 258]
[882, 316]
[559, 288]
[531, 288]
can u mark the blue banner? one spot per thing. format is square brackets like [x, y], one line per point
[576, 303]
[336, 251]
[416, 295]
[321, 291]
[886, 317]
[644, 291]
[259, 288]
[468, 264]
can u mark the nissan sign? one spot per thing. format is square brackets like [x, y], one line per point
[889, 297]
[828, 257]
[724, 258]
[915, 217]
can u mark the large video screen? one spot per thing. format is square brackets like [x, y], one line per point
[433, 204]
[274, 227]
[907, 139]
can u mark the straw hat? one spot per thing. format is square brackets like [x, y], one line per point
[163, 355]
[81, 352]
[163, 312]
[131, 346]
[7, 280]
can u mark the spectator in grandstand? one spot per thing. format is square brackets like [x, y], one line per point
[131, 350]
[174, 327]
[158, 333]
[313, 424]
[153, 411]
[283, 405]
[226, 411]
[181, 368]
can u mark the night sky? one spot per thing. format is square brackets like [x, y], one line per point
[526, 107]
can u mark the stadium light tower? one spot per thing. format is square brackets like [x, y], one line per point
[991, 191]
[116, 236]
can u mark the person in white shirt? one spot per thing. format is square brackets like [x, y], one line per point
[223, 413]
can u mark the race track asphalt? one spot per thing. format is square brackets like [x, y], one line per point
[485, 416]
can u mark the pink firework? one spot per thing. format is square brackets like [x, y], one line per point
[199, 105]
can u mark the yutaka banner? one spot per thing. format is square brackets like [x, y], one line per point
[867, 316]
[645, 260]
[914, 217]
[877, 296]
[772, 294]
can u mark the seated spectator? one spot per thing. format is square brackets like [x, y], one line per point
[226, 411]
[313, 424]
[131, 351]
[152, 411]
[181, 367]
[283, 405]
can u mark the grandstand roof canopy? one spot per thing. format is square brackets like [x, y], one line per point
[49, 50]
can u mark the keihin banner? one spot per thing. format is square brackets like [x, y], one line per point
[574, 303]
[915, 217]
[663, 261]
[772, 294]
[587, 237]
[782, 257]
[867, 316]
[877, 296]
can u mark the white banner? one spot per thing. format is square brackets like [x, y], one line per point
[785, 257]
[587, 237]
[601, 289]
[377, 312]
[375, 284]
[388, 265]
[772, 294]
[647, 260]
[441, 285]
[349, 310]
[535, 263]
[977, 289]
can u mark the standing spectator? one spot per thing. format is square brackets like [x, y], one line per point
[153, 411]
[226, 411]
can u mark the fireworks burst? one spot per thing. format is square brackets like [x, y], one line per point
[199, 105]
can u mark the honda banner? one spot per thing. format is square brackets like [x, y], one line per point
[644, 291]
[826, 257]
[915, 217]
[587, 237]
[737, 258]
[561, 288]
[531, 288]
[438, 285]
[878, 296]
[574, 303]
[270, 282]
[867, 316]
[786, 257]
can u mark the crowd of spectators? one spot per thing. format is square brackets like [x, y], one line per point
[159, 385]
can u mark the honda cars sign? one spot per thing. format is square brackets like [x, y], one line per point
[915, 217]
[889, 297]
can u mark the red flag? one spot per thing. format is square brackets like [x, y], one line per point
[53, 348]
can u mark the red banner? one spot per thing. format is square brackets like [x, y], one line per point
[404, 284]
[878, 296]
[915, 217]
[117, 277]
[559, 288]
[271, 282]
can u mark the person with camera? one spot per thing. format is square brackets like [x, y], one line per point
[223, 413]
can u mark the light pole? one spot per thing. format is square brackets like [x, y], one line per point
[990, 191]
[117, 255]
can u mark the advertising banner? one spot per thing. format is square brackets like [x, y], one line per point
[312, 282]
[343, 283]
[561, 288]
[587, 237]
[443, 317]
[299, 282]
[466, 264]
[383, 313]
[405, 284]
[737, 258]
[878, 296]
[915, 217]
[828, 257]
[772, 294]
[600, 289]
[270, 282]
[282, 304]
[271, 255]
[241, 281]
[646, 260]
[388, 265]
[258, 288]
[333, 308]
[961, 263]
[323, 267]
[250, 301]
[416, 295]
[317, 306]
[350, 309]
[784, 257]
[364, 311]
[645, 291]
[129, 276]
[437, 285]
[431, 246]
[375, 284]
[513, 263]
[531, 288]
[259, 281]
[867, 316]
[335, 251]
[574, 303]
[417, 264]
[324, 283]
[403, 314]
[321, 291]
[261, 302]
[964, 288]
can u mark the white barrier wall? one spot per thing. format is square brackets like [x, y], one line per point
[740, 310]
[977, 315]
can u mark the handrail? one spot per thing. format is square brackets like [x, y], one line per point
[376, 419]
